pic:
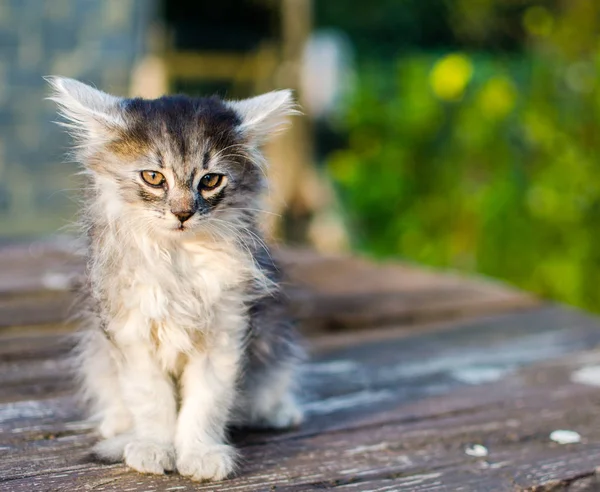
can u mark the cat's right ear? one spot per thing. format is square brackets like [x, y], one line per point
[262, 116]
[90, 114]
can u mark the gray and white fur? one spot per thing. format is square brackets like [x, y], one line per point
[183, 327]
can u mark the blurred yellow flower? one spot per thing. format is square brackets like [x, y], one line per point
[497, 97]
[538, 21]
[450, 76]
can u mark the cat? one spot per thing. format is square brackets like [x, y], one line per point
[183, 326]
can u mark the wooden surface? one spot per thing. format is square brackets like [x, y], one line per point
[409, 369]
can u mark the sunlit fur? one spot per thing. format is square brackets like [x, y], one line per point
[183, 328]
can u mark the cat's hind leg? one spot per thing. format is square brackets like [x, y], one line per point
[270, 398]
[274, 353]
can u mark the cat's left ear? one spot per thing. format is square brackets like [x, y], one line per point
[262, 116]
[91, 114]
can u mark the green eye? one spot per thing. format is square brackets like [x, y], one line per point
[210, 181]
[153, 178]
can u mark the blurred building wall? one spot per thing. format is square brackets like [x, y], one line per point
[96, 41]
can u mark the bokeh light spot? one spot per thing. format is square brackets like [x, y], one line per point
[450, 76]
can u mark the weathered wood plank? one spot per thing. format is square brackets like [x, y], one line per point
[386, 371]
[325, 292]
[418, 365]
[49, 265]
[372, 418]
[334, 292]
[31, 343]
[427, 453]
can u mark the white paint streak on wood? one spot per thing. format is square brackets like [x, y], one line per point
[589, 375]
[25, 409]
[364, 449]
[494, 466]
[333, 367]
[506, 355]
[476, 450]
[480, 374]
[562, 436]
[344, 402]
[41, 428]
[417, 479]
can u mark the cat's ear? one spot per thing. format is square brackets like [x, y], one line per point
[262, 116]
[89, 113]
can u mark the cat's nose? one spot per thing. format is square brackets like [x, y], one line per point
[183, 215]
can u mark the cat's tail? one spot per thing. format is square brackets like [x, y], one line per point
[112, 450]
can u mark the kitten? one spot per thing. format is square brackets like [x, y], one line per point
[183, 328]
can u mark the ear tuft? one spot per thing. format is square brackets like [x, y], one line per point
[88, 111]
[265, 115]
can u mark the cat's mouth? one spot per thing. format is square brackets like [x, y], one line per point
[183, 229]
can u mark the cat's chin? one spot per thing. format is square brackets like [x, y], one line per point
[182, 232]
[173, 232]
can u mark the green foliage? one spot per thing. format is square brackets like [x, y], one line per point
[484, 162]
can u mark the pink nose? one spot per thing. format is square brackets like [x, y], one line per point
[183, 215]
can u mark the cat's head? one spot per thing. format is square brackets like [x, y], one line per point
[174, 165]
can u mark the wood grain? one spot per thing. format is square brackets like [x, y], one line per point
[509, 417]
[393, 414]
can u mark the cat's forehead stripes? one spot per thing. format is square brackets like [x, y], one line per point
[129, 145]
[186, 129]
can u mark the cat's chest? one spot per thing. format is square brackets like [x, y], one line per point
[184, 285]
[174, 300]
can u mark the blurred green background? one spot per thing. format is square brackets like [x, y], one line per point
[471, 138]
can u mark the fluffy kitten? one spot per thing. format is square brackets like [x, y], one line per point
[183, 326]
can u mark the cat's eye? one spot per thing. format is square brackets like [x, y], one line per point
[153, 178]
[210, 181]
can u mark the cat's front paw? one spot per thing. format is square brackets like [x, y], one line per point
[150, 457]
[214, 462]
